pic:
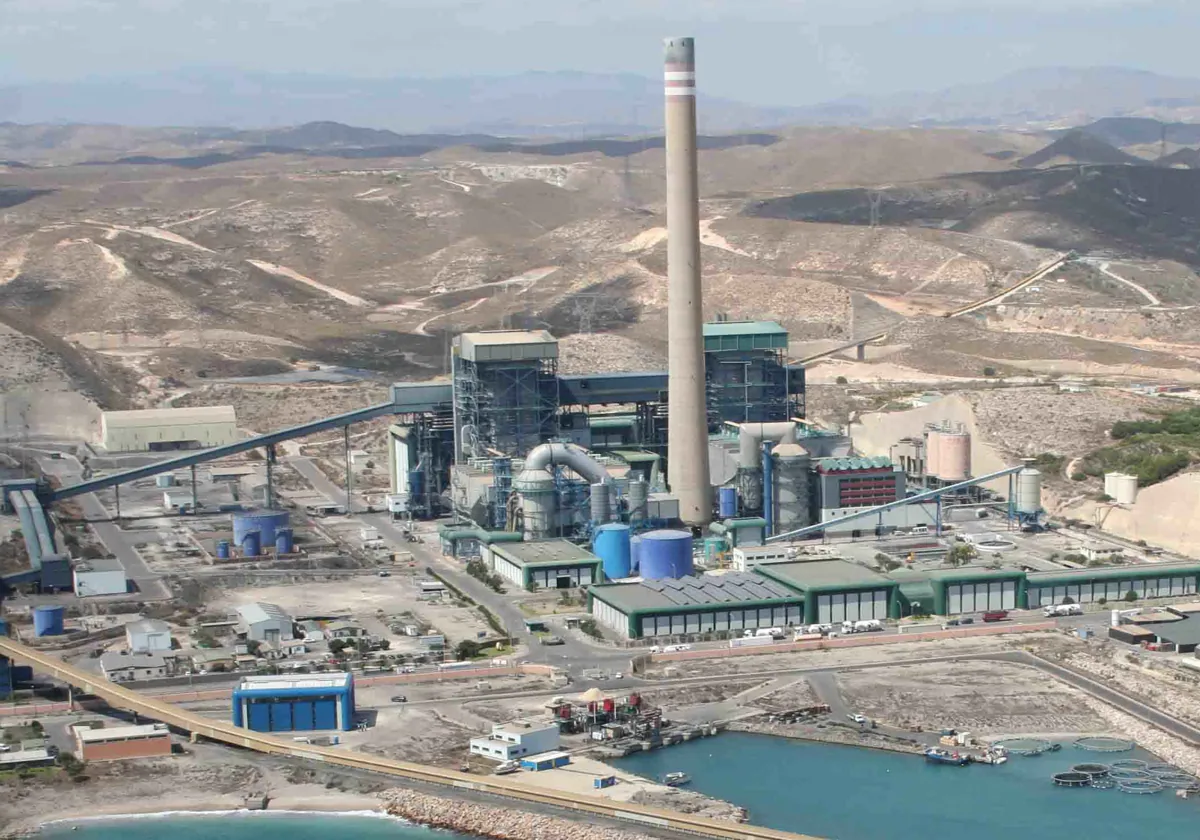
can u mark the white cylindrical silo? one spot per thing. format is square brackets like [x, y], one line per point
[536, 488]
[1125, 489]
[1110, 484]
[1029, 491]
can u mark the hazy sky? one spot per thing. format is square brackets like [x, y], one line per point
[785, 52]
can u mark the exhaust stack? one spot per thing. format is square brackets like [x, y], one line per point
[687, 431]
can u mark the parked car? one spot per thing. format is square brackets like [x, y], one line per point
[399, 698]
[967, 620]
[552, 640]
[995, 615]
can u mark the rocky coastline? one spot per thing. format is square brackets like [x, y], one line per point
[493, 822]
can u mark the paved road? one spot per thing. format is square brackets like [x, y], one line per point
[118, 542]
[574, 654]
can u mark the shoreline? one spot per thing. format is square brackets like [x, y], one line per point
[342, 804]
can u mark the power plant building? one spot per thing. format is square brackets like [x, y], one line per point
[1113, 584]
[167, 429]
[102, 576]
[151, 740]
[294, 703]
[734, 601]
[834, 591]
[547, 564]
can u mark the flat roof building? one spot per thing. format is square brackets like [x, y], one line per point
[836, 590]
[734, 601]
[548, 564]
[131, 667]
[165, 429]
[101, 576]
[509, 741]
[1112, 583]
[149, 741]
[294, 703]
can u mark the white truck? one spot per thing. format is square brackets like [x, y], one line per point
[751, 641]
[771, 632]
[823, 629]
[1054, 610]
[869, 625]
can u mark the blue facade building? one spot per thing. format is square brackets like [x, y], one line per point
[294, 703]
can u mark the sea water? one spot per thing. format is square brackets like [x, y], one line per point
[853, 793]
[244, 825]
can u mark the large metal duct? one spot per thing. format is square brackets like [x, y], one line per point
[535, 484]
[687, 430]
[567, 455]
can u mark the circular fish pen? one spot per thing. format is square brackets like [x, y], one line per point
[1095, 771]
[1178, 781]
[1156, 769]
[1103, 783]
[1024, 746]
[1103, 743]
[1071, 778]
[1141, 786]
[1129, 764]
[1128, 773]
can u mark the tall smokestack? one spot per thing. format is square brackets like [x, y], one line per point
[687, 431]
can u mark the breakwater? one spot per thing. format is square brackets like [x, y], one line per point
[493, 822]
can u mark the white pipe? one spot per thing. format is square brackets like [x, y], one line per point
[751, 436]
[567, 455]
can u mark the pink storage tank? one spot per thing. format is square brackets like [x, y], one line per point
[954, 458]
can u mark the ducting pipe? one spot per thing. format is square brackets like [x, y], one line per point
[567, 455]
[751, 436]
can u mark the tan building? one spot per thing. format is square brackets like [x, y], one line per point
[149, 741]
[167, 429]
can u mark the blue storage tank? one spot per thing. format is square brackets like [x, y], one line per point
[265, 522]
[727, 502]
[222, 549]
[47, 621]
[283, 541]
[251, 544]
[3, 627]
[611, 545]
[416, 483]
[666, 554]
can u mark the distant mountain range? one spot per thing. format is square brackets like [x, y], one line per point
[571, 104]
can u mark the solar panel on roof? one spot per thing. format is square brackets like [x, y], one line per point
[676, 598]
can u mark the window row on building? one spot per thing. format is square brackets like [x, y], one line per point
[1088, 592]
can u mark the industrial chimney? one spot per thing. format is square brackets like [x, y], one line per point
[687, 431]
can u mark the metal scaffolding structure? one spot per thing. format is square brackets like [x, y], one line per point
[505, 408]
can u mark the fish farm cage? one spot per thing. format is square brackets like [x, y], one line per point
[1128, 776]
[1105, 744]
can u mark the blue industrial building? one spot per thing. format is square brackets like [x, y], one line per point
[294, 703]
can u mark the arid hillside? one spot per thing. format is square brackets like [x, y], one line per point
[145, 280]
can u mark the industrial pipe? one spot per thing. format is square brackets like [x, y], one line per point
[567, 455]
[751, 436]
[768, 471]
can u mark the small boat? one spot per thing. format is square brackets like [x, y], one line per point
[938, 756]
[676, 779]
[506, 767]
[1054, 747]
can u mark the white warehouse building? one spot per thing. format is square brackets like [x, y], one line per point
[167, 429]
[514, 740]
[265, 623]
[148, 636]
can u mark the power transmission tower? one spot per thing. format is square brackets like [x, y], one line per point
[876, 199]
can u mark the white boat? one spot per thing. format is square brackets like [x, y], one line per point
[506, 767]
[676, 779]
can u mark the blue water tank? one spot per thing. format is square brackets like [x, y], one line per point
[666, 554]
[283, 541]
[251, 544]
[47, 621]
[611, 545]
[265, 522]
[635, 554]
[222, 549]
[3, 627]
[727, 502]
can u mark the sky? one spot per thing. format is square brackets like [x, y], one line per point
[776, 52]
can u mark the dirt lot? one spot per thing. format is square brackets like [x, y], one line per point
[985, 698]
[733, 666]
